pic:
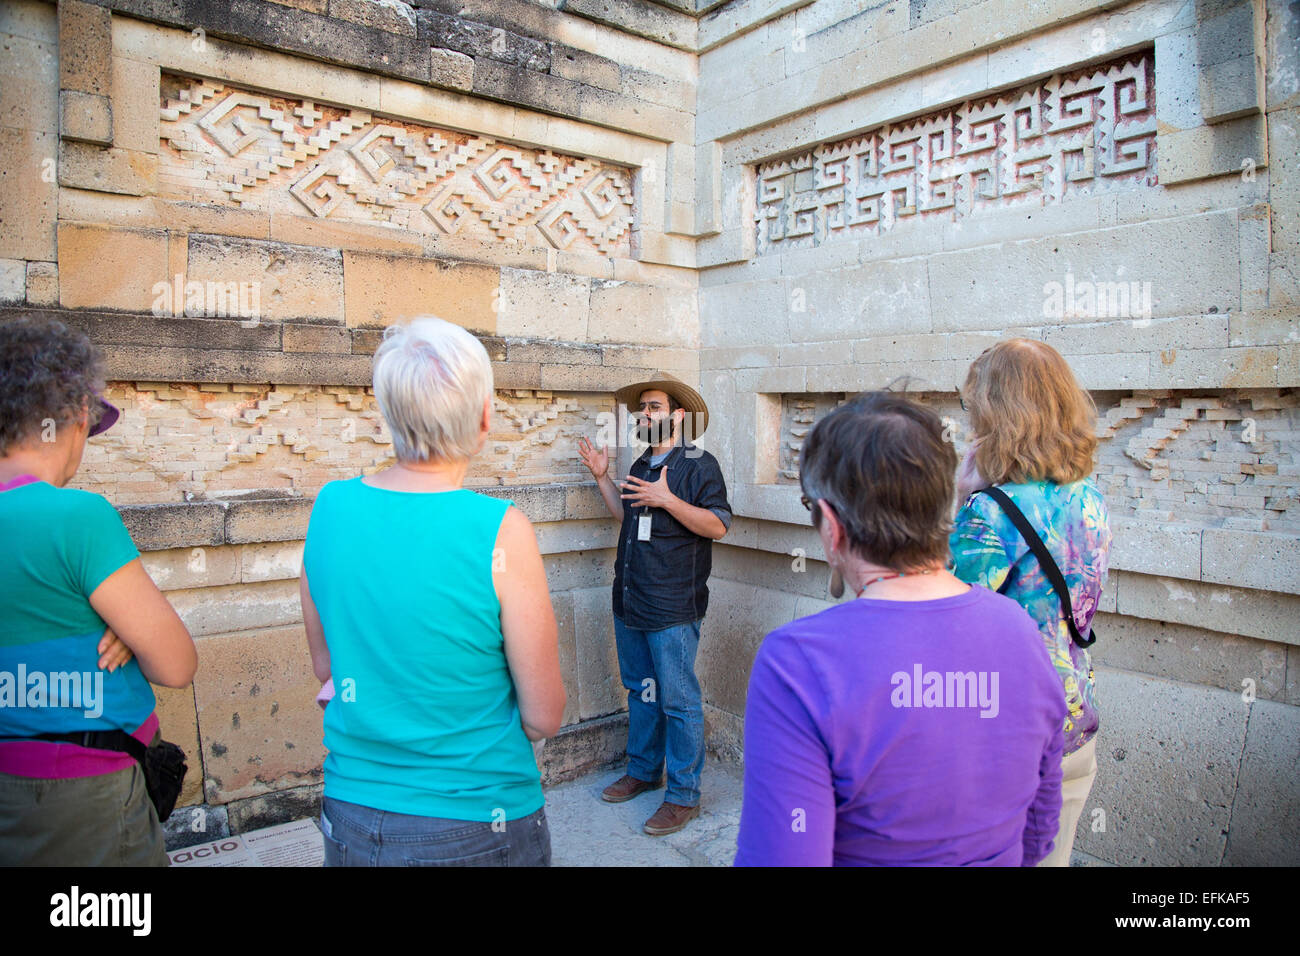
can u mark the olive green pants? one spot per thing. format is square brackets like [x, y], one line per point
[106, 820]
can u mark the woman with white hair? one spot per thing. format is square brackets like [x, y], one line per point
[427, 605]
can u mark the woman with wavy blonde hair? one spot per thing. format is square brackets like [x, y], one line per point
[1034, 442]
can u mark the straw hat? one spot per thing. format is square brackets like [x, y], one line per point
[687, 397]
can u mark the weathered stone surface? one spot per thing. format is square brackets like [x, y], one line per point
[600, 689]
[1265, 825]
[1191, 654]
[1167, 761]
[112, 170]
[478, 39]
[178, 720]
[28, 190]
[232, 608]
[158, 527]
[198, 567]
[451, 68]
[391, 15]
[1267, 561]
[382, 290]
[272, 519]
[258, 717]
[291, 282]
[85, 47]
[87, 117]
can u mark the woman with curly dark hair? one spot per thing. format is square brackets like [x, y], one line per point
[73, 593]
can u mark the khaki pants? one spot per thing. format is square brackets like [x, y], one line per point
[1078, 771]
[106, 820]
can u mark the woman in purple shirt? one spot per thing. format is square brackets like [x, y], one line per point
[921, 723]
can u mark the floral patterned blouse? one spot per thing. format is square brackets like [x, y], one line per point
[1073, 522]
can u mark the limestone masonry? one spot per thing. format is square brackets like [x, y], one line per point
[782, 202]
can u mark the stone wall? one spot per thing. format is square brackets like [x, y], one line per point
[904, 186]
[779, 201]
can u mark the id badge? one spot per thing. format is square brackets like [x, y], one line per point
[643, 528]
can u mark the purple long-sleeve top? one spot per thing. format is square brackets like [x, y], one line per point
[885, 733]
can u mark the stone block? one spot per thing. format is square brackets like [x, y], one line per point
[111, 170]
[651, 21]
[584, 501]
[635, 313]
[589, 68]
[584, 748]
[85, 47]
[481, 40]
[13, 281]
[1265, 825]
[198, 567]
[260, 724]
[269, 519]
[1191, 264]
[316, 338]
[178, 720]
[382, 290]
[600, 688]
[579, 569]
[1231, 89]
[289, 282]
[157, 527]
[1282, 56]
[543, 305]
[42, 283]
[237, 607]
[1284, 182]
[277, 561]
[1155, 549]
[1203, 151]
[1230, 610]
[1267, 561]
[1191, 654]
[135, 105]
[740, 616]
[451, 68]
[111, 268]
[29, 93]
[86, 117]
[276, 807]
[1167, 758]
[393, 16]
[745, 314]
[562, 605]
[538, 502]
[871, 299]
[28, 195]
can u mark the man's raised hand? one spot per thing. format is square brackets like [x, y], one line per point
[597, 461]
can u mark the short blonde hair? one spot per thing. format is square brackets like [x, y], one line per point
[1032, 420]
[431, 379]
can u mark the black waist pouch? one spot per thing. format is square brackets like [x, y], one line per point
[163, 763]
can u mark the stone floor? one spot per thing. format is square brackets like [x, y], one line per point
[587, 831]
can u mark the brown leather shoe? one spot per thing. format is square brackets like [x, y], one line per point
[669, 818]
[626, 787]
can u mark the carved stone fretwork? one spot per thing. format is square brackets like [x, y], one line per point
[231, 147]
[1224, 459]
[1072, 134]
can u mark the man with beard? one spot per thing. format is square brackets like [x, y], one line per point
[673, 507]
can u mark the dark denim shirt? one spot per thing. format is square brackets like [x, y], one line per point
[664, 581]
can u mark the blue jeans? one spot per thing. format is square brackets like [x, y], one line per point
[362, 836]
[665, 711]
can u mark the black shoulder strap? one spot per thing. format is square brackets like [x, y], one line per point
[1044, 558]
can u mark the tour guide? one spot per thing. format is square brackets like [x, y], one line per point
[674, 507]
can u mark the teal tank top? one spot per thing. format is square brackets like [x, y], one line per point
[425, 719]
